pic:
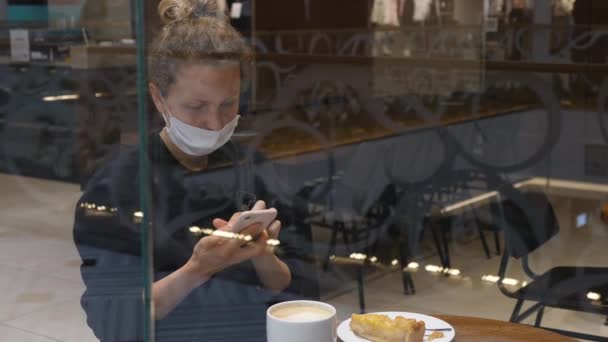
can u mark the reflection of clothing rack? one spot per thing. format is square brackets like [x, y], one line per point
[387, 12]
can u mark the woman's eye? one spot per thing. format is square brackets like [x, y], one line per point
[196, 107]
[228, 104]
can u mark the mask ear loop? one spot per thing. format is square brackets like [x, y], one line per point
[166, 116]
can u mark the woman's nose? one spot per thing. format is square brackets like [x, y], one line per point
[213, 121]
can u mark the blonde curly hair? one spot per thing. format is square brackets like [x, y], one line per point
[195, 31]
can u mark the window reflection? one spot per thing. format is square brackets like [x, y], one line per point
[423, 155]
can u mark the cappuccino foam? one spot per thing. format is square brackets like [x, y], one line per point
[301, 313]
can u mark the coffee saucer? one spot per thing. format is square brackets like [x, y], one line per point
[347, 335]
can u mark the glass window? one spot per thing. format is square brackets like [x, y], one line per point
[268, 170]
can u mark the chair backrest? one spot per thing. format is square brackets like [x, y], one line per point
[529, 221]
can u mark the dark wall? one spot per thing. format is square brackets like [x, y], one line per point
[324, 14]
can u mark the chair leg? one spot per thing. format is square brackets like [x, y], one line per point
[360, 274]
[539, 316]
[440, 239]
[331, 248]
[437, 243]
[446, 250]
[409, 282]
[515, 315]
[497, 242]
[406, 277]
[484, 243]
[346, 238]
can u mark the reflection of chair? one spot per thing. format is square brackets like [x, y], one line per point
[360, 232]
[459, 187]
[441, 226]
[529, 221]
[358, 206]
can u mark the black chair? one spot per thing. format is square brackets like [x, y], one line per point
[359, 233]
[529, 221]
[458, 186]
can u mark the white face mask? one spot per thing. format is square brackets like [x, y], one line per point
[196, 141]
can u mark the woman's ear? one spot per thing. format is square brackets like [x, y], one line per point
[156, 95]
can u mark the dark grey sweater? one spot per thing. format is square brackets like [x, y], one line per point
[229, 307]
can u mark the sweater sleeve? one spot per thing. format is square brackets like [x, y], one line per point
[108, 241]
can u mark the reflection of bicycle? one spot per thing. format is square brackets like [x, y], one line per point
[497, 135]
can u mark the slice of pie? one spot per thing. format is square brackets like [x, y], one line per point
[380, 328]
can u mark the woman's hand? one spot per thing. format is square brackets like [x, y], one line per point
[216, 252]
[260, 244]
[272, 272]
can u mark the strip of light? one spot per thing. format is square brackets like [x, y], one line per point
[413, 266]
[66, 97]
[230, 235]
[469, 202]
[537, 181]
[453, 272]
[495, 279]
[358, 256]
[433, 268]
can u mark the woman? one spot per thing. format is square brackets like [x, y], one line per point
[206, 288]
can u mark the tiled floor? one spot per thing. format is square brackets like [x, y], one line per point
[40, 286]
[39, 265]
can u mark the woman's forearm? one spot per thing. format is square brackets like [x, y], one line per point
[171, 290]
[273, 273]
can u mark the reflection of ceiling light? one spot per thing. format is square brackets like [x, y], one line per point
[510, 281]
[273, 242]
[358, 256]
[453, 272]
[195, 229]
[490, 278]
[495, 279]
[413, 266]
[138, 214]
[224, 234]
[433, 268]
[101, 208]
[395, 262]
[373, 259]
[593, 296]
[61, 98]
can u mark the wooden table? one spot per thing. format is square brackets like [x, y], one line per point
[470, 329]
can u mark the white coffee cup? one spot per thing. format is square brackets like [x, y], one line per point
[301, 321]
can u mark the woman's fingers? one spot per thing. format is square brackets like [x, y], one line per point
[252, 230]
[274, 229]
[259, 205]
[221, 224]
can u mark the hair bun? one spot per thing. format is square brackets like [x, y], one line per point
[172, 11]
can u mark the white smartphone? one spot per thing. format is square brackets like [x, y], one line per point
[263, 217]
